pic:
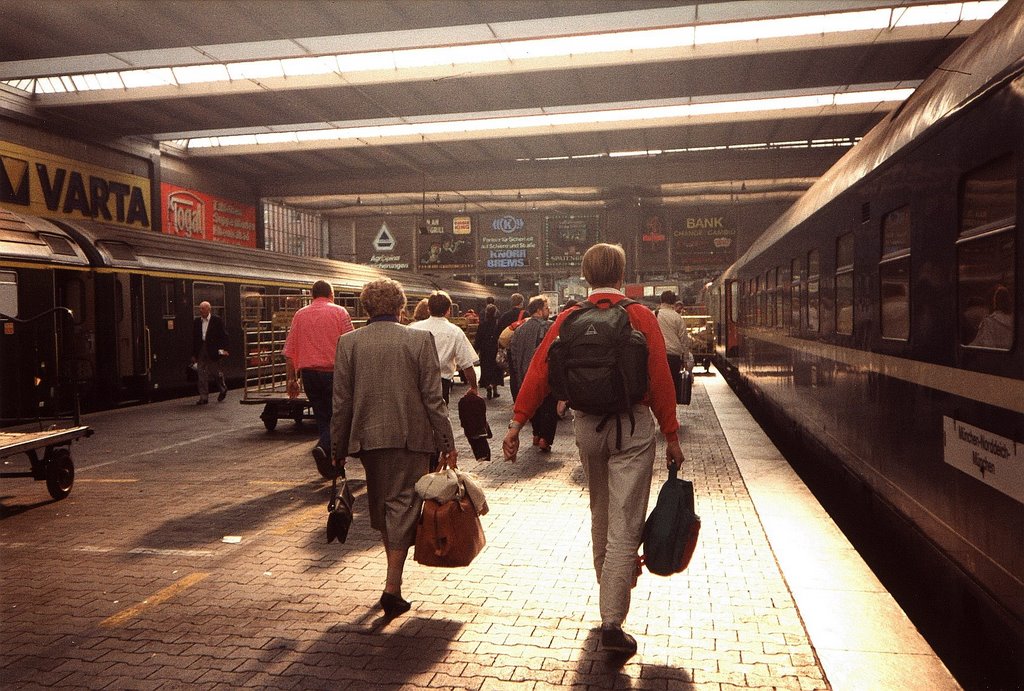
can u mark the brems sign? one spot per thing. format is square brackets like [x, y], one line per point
[43, 184]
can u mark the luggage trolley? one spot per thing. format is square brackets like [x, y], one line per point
[48, 451]
[267, 319]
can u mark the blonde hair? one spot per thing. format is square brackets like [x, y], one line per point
[422, 310]
[604, 265]
[384, 296]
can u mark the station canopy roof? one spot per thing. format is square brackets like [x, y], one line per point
[350, 107]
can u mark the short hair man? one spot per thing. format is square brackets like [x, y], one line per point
[454, 351]
[513, 313]
[309, 352]
[209, 345]
[521, 349]
[677, 341]
[619, 479]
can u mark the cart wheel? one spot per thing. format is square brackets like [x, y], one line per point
[269, 417]
[60, 474]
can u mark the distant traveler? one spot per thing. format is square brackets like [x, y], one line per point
[617, 456]
[677, 342]
[524, 344]
[996, 329]
[388, 412]
[422, 311]
[309, 351]
[514, 313]
[454, 351]
[209, 345]
[486, 343]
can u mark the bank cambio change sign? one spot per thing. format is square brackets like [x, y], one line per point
[39, 183]
[199, 216]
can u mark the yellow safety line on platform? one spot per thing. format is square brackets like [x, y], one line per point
[161, 596]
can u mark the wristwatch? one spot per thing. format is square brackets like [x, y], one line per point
[512, 424]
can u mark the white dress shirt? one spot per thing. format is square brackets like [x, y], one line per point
[454, 351]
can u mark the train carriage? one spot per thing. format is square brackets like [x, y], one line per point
[133, 296]
[879, 324]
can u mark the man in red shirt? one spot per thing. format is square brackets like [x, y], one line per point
[309, 349]
[618, 474]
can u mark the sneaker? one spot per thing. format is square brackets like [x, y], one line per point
[615, 640]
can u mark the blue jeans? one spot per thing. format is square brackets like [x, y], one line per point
[319, 388]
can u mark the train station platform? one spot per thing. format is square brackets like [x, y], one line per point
[191, 554]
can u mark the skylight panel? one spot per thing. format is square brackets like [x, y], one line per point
[260, 69]
[134, 79]
[197, 74]
[300, 67]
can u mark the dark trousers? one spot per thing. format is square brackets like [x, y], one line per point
[545, 420]
[319, 388]
[675, 366]
[205, 368]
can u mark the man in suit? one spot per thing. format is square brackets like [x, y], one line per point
[388, 411]
[209, 345]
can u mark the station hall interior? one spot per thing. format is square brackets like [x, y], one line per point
[831, 189]
[654, 121]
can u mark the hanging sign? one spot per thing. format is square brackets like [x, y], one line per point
[192, 214]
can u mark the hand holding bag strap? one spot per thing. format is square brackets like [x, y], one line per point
[333, 503]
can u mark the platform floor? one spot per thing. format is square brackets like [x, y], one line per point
[191, 553]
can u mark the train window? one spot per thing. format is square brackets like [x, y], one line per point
[734, 291]
[212, 293]
[812, 285]
[253, 304]
[844, 284]
[9, 293]
[986, 281]
[57, 244]
[167, 299]
[72, 296]
[985, 290]
[770, 285]
[794, 307]
[782, 283]
[988, 197]
[894, 275]
[758, 302]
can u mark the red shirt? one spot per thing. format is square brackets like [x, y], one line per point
[661, 392]
[313, 336]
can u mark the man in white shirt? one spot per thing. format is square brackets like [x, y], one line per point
[677, 342]
[454, 351]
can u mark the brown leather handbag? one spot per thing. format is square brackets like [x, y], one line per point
[448, 534]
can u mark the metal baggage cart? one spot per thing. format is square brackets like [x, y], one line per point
[48, 451]
[701, 330]
[266, 320]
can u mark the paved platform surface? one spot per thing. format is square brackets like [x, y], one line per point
[191, 554]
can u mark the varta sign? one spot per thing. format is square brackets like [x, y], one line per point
[43, 184]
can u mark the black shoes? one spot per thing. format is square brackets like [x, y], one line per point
[615, 640]
[393, 605]
[202, 401]
[323, 464]
[221, 396]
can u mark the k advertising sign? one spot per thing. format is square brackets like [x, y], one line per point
[44, 184]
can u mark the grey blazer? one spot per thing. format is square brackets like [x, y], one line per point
[387, 392]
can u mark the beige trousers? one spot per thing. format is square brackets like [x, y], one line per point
[619, 481]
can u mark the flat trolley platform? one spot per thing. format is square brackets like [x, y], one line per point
[55, 465]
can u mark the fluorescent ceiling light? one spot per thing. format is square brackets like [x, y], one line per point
[467, 126]
[616, 47]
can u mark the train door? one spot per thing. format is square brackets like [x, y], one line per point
[132, 338]
[77, 336]
[730, 317]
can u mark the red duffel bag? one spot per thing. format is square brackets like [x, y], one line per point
[448, 534]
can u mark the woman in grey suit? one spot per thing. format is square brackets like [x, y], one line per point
[388, 412]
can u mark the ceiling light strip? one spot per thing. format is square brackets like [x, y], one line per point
[503, 57]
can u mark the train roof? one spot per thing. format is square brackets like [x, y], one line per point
[34, 240]
[989, 58]
[113, 247]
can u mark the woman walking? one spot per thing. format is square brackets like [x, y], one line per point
[486, 344]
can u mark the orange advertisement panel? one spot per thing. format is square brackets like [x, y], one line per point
[192, 214]
[39, 183]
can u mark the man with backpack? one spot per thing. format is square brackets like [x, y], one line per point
[600, 366]
[524, 343]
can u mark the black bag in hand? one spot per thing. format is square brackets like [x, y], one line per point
[685, 389]
[339, 510]
[670, 534]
